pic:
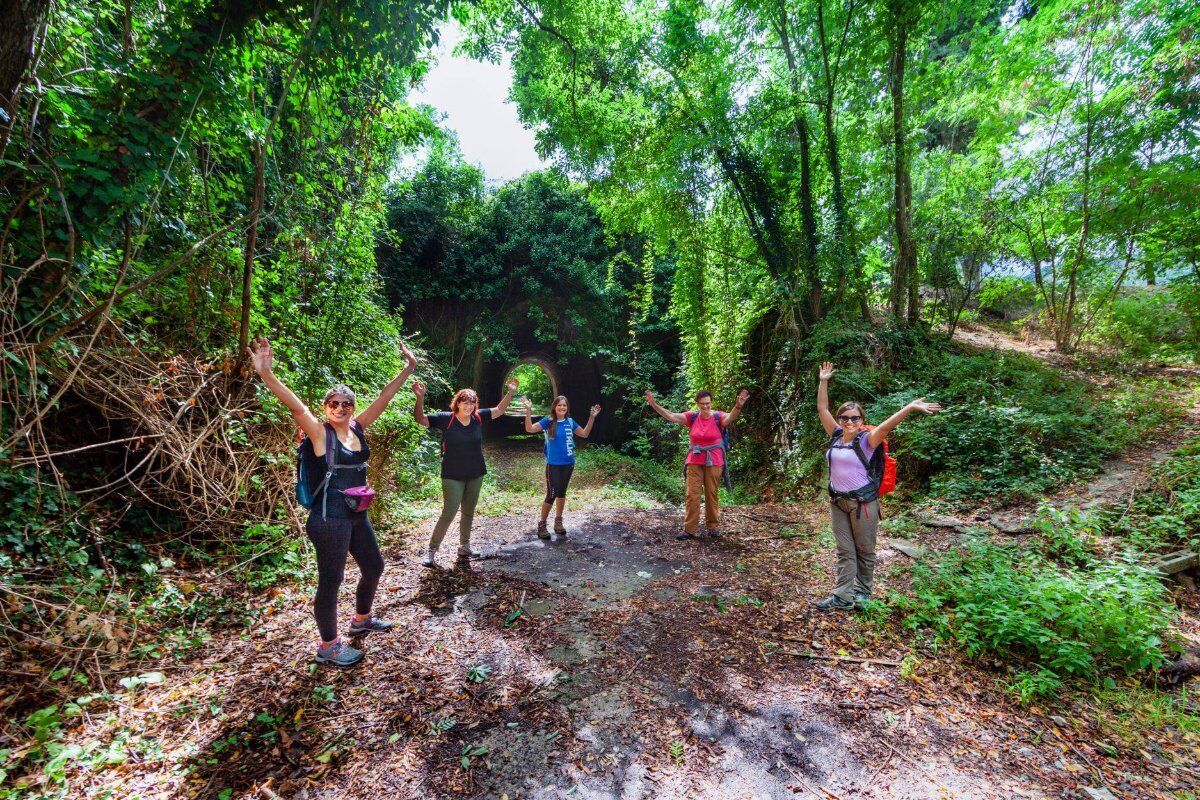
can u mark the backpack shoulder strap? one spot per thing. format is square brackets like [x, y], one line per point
[691, 417]
[330, 446]
[860, 449]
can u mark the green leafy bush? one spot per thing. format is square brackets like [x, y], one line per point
[1007, 296]
[1070, 622]
[1011, 427]
[1143, 323]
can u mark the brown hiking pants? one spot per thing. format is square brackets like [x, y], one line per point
[706, 480]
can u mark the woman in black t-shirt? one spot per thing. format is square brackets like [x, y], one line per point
[334, 529]
[463, 467]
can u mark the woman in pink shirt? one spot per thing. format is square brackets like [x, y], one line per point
[706, 458]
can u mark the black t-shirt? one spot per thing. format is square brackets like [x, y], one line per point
[315, 467]
[462, 445]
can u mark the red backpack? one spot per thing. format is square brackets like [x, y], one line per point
[881, 467]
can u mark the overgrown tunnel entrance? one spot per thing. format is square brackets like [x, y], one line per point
[541, 378]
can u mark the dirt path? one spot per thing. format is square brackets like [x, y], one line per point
[619, 664]
[616, 663]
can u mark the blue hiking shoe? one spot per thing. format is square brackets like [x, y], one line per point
[370, 625]
[339, 654]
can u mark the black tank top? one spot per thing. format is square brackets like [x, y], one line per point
[343, 478]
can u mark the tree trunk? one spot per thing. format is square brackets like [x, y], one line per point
[251, 241]
[845, 249]
[808, 217]
[19, 23]
[904, 302]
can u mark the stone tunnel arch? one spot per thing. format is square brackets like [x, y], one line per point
[578, 377]
[546, 364]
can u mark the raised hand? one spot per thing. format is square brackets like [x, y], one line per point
[650, 397]
[419, 389]
[512, 386]
[826, 371]
[260, 355]
[920, 405]
[742, 397]
[528, 405]
[408, 354]
[595, 410]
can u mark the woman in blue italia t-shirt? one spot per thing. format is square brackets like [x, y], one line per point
[559, 432]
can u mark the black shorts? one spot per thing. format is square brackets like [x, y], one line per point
[557, 478]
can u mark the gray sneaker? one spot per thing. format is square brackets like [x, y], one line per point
[370, 625]
[559, 528]
[834, 603]
[465, 552]
[343, 655]
[542, 532]
[429, 559]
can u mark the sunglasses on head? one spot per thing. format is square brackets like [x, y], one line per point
[849, 418]
[340, 404]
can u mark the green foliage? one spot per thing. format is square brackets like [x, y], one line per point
[1011, 427]
[1007, 296]
[1144, 323]
[534, 383]
[1073, 622]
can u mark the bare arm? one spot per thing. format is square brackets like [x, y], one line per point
[372, 412]
[261, 357]
[586, 430]
[530, 425]
[880, 431]
[671, 416]
[827, 420]
[419, 405]
[731, 417]
[502, 406]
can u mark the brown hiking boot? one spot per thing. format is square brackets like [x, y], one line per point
[542, 532]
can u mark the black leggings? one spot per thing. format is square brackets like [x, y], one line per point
[557, 478]
[333, 539]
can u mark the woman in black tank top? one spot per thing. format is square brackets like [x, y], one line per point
[335, 529]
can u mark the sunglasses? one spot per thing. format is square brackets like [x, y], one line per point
[848, 418]
[341, 404]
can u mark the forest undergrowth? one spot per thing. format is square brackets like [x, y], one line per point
[1029, 610]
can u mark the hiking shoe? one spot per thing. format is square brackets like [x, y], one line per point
[714, 533]
[429, 559]
[465, 552]
[542, 532]
[370, 625]
[559, 528]
[342, 655]
[834, 603]
[684, 536]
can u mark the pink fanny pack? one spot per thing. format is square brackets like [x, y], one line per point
[359, 498]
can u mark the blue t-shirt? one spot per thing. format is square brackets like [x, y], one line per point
[560, 451]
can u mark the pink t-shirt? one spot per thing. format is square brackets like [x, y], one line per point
[705, 432]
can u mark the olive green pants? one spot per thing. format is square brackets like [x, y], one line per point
[854, 529]
[457, 496]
